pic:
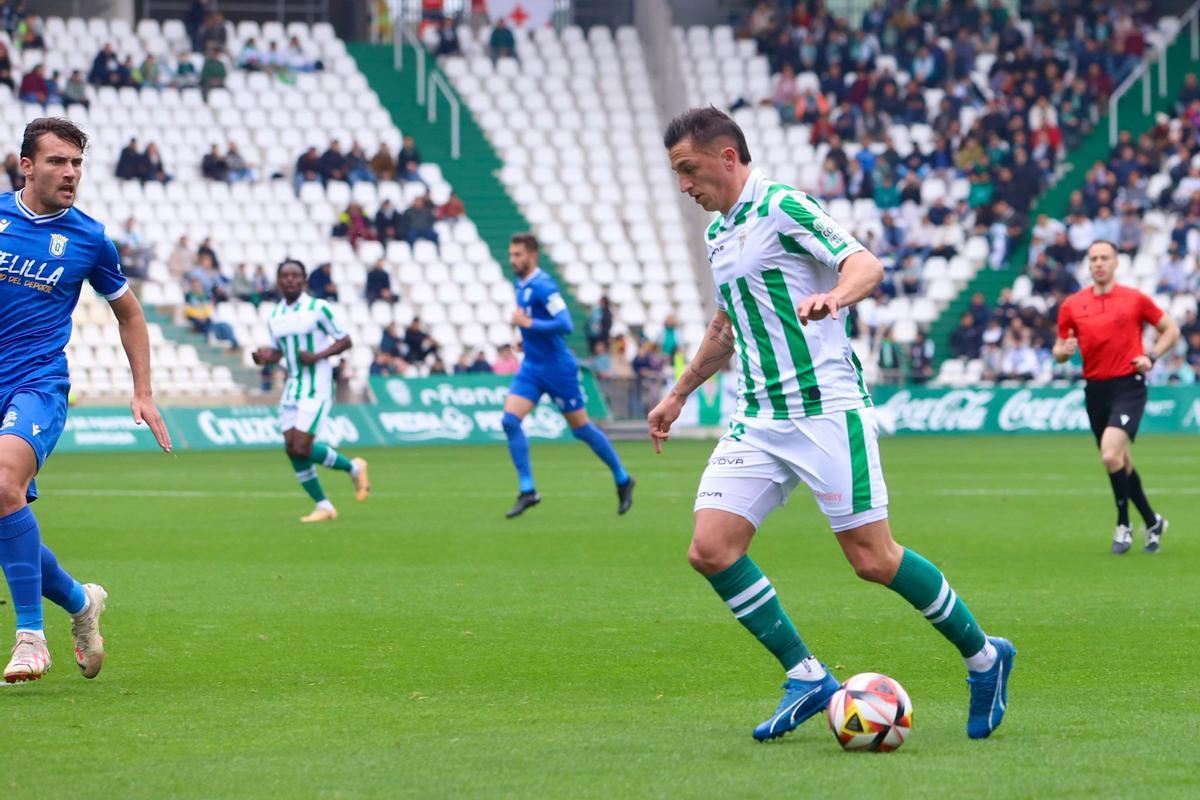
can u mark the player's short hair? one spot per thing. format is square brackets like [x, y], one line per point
[526, 240]
[1104, 241]
[704, 126]
[292, 262]
[62, 128]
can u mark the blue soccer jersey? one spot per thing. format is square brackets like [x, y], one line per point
[545, 342]
[549, 366]
[44, 260]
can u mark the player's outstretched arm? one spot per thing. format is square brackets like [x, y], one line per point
[136, 341]
[713, 354]
[858, 276]
[340, 346]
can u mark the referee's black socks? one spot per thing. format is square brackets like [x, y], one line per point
[1120, 486]
[1139, 499]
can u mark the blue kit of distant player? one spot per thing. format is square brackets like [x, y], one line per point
[549, 366]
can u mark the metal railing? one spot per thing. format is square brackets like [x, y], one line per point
[632, 397]
[436, 83]
[401, 35]
[429, 84]
[1191, 20]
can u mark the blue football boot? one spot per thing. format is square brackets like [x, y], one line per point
[989, 691]
[801, 699]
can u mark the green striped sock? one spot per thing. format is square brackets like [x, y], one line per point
[306, 473]
[752, 599]
[922, 584]
[326, 455]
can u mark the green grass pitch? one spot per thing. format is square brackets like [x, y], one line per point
[423, 646]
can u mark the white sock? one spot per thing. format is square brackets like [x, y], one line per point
[87, 602]
[325, 504]
[39, 634]
[807, 670]
[354, 469]
[984, 659]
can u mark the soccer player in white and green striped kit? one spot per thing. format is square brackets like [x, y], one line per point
[783, 270]
[306, 334]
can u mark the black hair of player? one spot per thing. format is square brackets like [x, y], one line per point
[1104, 241]
[526, 240]
[704, 126]
[62, 128]
[293, 262]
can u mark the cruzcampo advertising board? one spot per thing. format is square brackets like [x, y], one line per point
[447, 410]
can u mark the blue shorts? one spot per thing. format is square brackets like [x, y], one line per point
[562, 386]
[36, 411]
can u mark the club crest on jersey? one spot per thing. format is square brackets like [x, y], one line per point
[58, 244]
[10, 420]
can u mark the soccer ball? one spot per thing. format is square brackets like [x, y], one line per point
[870, 712]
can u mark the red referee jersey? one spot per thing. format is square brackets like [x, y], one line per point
[1109, 329]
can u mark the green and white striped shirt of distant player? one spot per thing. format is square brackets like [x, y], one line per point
[307, 325]
[775, 247]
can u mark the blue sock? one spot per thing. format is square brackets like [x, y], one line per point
[602, 447]
[518, 449]
[58, 586]
[20, 543]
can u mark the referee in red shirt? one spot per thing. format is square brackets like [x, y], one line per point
[1104, 323]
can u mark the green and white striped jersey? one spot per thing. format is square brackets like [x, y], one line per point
[775, 247]
[307, 325]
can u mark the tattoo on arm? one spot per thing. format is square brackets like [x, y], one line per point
[713, 354]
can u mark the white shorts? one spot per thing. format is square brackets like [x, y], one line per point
[758, 462]
[306, 414]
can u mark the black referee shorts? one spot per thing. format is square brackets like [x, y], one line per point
[1116, 403]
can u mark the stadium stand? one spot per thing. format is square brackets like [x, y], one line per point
[1146, 200]
[937, 174]
[576, 111]
[460, 293]
[913, 125]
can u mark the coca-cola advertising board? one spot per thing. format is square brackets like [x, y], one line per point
[902, 410]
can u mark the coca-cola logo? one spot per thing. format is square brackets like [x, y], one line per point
[956, 410]
[1060, 412]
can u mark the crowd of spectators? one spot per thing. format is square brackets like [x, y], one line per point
[227, 167]
[24, 28]
[145, 165]
[1045, 92]
[354, 166]
[439, 33]
[1051, 81]
[632, 369]
[208, 36]
[1014, 340]
[274, 60]
[413, 224]
[398, 350]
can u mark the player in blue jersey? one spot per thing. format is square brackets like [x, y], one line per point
[549, 368]
[48, 248]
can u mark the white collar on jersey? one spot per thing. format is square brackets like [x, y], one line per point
[528, 280]
[749, 192]
[299, 301]
[37, 219]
